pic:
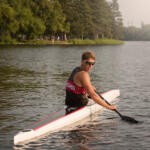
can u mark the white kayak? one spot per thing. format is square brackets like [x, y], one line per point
[53, 124]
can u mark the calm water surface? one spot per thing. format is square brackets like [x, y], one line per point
[32, 83]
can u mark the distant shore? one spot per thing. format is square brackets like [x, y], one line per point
[69, 42]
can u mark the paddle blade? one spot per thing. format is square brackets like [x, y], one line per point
[129, 119]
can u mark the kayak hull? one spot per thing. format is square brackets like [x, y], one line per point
[63, 121]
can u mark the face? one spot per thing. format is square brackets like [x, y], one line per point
[88, 64]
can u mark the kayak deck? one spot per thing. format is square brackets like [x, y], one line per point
[60, 119]
[50, 118]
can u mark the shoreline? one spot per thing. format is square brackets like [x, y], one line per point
[72, 42]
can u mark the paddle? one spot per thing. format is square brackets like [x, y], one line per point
[125, 118]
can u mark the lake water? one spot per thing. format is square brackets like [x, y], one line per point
[32, 85]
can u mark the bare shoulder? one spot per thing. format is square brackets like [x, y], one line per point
[80, 78]
[84, 77]
[83, 74]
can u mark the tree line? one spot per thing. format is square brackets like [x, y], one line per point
[66, 19]
[132, 33]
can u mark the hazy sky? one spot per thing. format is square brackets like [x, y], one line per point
[135, 11]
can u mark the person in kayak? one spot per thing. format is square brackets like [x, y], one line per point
[79, 85]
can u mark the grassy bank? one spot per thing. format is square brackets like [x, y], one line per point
[45, 42]
[95, 42]
[34, 42]
[70, 42]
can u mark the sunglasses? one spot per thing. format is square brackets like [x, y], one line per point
[90, 63]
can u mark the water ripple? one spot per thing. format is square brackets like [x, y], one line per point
[32, 85]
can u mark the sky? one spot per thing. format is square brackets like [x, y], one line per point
[134, 12]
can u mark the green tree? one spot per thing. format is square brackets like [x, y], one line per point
[88, 18]
[132, 33]
[101, 18]
[56, 19]
[78, 16]
[28, 19]
[67, 9]
[117, 20]
[50, 12]
[29, 26]
[81, 19]
[8, 23]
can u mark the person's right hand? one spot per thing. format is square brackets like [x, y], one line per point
[113, 107]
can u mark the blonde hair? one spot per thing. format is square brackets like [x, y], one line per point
[88, 54]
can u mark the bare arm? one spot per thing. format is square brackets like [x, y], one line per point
[85, 81]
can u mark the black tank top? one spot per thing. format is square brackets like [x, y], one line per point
[75, 96]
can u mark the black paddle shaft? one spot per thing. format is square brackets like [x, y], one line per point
[126, 118]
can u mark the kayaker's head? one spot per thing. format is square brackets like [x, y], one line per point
[88, 60]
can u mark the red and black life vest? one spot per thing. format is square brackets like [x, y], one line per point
[75, 95]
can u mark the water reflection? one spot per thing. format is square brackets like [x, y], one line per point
[84, 137]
